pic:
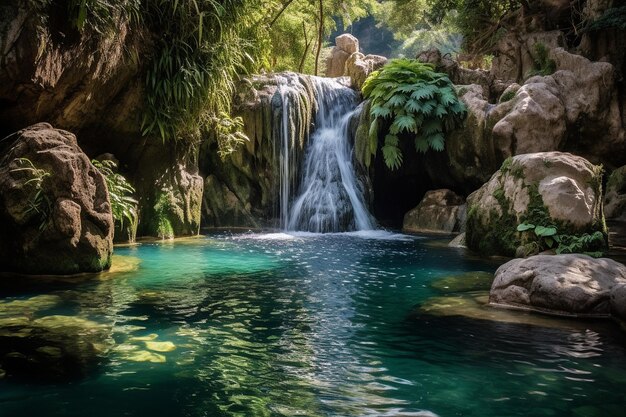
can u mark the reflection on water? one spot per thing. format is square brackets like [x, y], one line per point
[309, 325]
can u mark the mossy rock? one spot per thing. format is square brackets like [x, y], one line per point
[548, 189]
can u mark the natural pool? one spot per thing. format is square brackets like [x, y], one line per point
[311, 325]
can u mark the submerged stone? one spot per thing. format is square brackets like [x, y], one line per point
[467, 281]
[52, 347]
[160, 346]
[145, 356]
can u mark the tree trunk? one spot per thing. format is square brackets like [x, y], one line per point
[320, 37]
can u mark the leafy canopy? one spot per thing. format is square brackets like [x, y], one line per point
[411, 98]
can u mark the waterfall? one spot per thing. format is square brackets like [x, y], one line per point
[330, 196]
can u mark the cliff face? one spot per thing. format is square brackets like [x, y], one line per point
[90, 83]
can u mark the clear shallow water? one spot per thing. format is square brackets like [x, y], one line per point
[307, 325]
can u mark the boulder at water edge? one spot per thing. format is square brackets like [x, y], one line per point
[55, 214]
[543, 189]
[439, 211]
[571, 284]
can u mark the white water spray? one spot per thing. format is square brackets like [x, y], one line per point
[330, 197]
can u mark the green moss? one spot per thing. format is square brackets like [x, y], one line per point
[499, 236]
[506, 165]
[507, 96]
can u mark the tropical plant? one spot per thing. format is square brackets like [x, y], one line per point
[38, 202]
[229, 133]
[202, 47]
[547, 237]
[123, 205]
[101, 15]
[411, 98]
[162, 224]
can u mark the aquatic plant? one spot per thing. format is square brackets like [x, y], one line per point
[123, 205]
[411, 98]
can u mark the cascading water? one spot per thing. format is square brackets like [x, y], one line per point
[330, 197]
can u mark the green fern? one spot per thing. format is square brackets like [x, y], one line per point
[123, 205]
[410, 98]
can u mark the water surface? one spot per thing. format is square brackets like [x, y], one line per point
[309, 325]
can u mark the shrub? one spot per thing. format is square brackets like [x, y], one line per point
[410, 97]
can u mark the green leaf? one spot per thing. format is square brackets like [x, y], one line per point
[543, 231]
[436, 142]
[524, 227]
[421, 144]
[379, 111]
[397, 100]
[391, 153]
[404, 123]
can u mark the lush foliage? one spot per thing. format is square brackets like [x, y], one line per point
[480, 22]
[123, 205]
[203, 45]
[101, 15]
[411, 98]
[612, 18]
[38, 203]
[547, 237]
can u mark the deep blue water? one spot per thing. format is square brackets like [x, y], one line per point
[277, 325]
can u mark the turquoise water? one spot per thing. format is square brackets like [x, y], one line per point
[280, 325]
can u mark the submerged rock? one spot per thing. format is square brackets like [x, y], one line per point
[439, 211]
[575, 285]
[51, 347]
[468, 281]
[55, 214]
[553, 188]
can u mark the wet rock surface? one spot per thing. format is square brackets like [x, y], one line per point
[439, 211]
[54, 206]
[573, 284]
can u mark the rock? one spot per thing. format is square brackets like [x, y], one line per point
[550, 188]
[160, 346]
[458, 242]
[615, 197]
[572, 284]
[345, 46]
[347, 42]
[575, 109]
[439, 211]
[223, 207]
[242, 189]
[52, 347]
[63, 225]
[76, 80]
[358, 67]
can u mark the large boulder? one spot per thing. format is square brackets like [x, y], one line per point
[345, 45]
[543, 189]
[358, 67]
[55, 214]
[574, 109]
[562, 284]
[439, 211]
